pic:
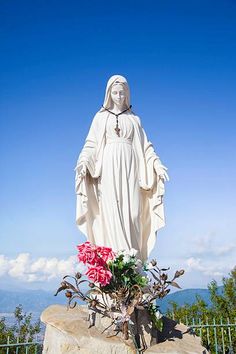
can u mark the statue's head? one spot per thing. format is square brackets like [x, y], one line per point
[117, 91]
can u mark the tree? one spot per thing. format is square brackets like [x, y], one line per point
[221, 310]
[23, 330]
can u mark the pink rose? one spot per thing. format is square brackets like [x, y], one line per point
[99, 275]
[82, 257]
[84, 246]
[94, 255]
[106, 253]
[88, 253]
[93, 258]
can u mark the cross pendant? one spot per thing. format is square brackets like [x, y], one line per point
[117, 130]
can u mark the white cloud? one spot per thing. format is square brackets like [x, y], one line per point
[209, 267]
[4, 266]
[212, 245]
[19, 266]
[225, 250]
[209, 257]
[25, 268]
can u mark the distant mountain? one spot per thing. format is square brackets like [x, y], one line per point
[37, 300]
[187, 296]
[31, 300]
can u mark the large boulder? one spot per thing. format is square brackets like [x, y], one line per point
[67, 332]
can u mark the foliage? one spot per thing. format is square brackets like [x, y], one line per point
[156, 316]
[221, 310]
[124, 269]
[120, 284]
[23, 329]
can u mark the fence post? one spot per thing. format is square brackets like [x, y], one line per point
[215, 335]
[8, 342]
[17, 348]
[222, 335]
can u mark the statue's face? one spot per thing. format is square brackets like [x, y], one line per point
[118, 94]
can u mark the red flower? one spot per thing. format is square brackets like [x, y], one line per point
[99, 275]
[84, 246]
[106, 253]
[88, 254]
[94, 255]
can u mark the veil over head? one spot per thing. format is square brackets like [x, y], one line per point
[116, 79]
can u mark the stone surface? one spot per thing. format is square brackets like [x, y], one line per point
[67, 332]
[176, 339]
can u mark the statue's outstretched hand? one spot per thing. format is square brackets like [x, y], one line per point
[161, 171]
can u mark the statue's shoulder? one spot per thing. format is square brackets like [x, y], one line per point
[136, 118]
[98, 117]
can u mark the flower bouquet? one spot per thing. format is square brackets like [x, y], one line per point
[119, 284]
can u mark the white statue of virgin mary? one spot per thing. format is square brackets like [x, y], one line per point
[119, 178]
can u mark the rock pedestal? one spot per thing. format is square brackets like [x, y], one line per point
[67, 332]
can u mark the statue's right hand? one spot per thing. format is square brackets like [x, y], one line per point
[81, 171]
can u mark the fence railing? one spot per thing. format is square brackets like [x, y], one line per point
[32, 347]
[218, 336]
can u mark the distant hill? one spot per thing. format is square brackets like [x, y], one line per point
[187, 296]
[37, 300]
[31, 300]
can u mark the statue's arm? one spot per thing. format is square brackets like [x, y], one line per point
[86, 160]
[150, 153]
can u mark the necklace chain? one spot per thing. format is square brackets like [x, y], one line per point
[117, 129]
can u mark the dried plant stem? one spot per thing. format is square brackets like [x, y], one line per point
[125, 331]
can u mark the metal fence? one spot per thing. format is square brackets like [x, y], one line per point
[34, 347]
[218, 336]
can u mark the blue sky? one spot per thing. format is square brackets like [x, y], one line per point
[180, 60]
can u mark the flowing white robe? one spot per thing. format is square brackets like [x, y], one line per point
[120, 200]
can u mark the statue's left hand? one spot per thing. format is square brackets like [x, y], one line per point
[161, 171]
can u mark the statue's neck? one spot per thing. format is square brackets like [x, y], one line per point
[116, 109]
